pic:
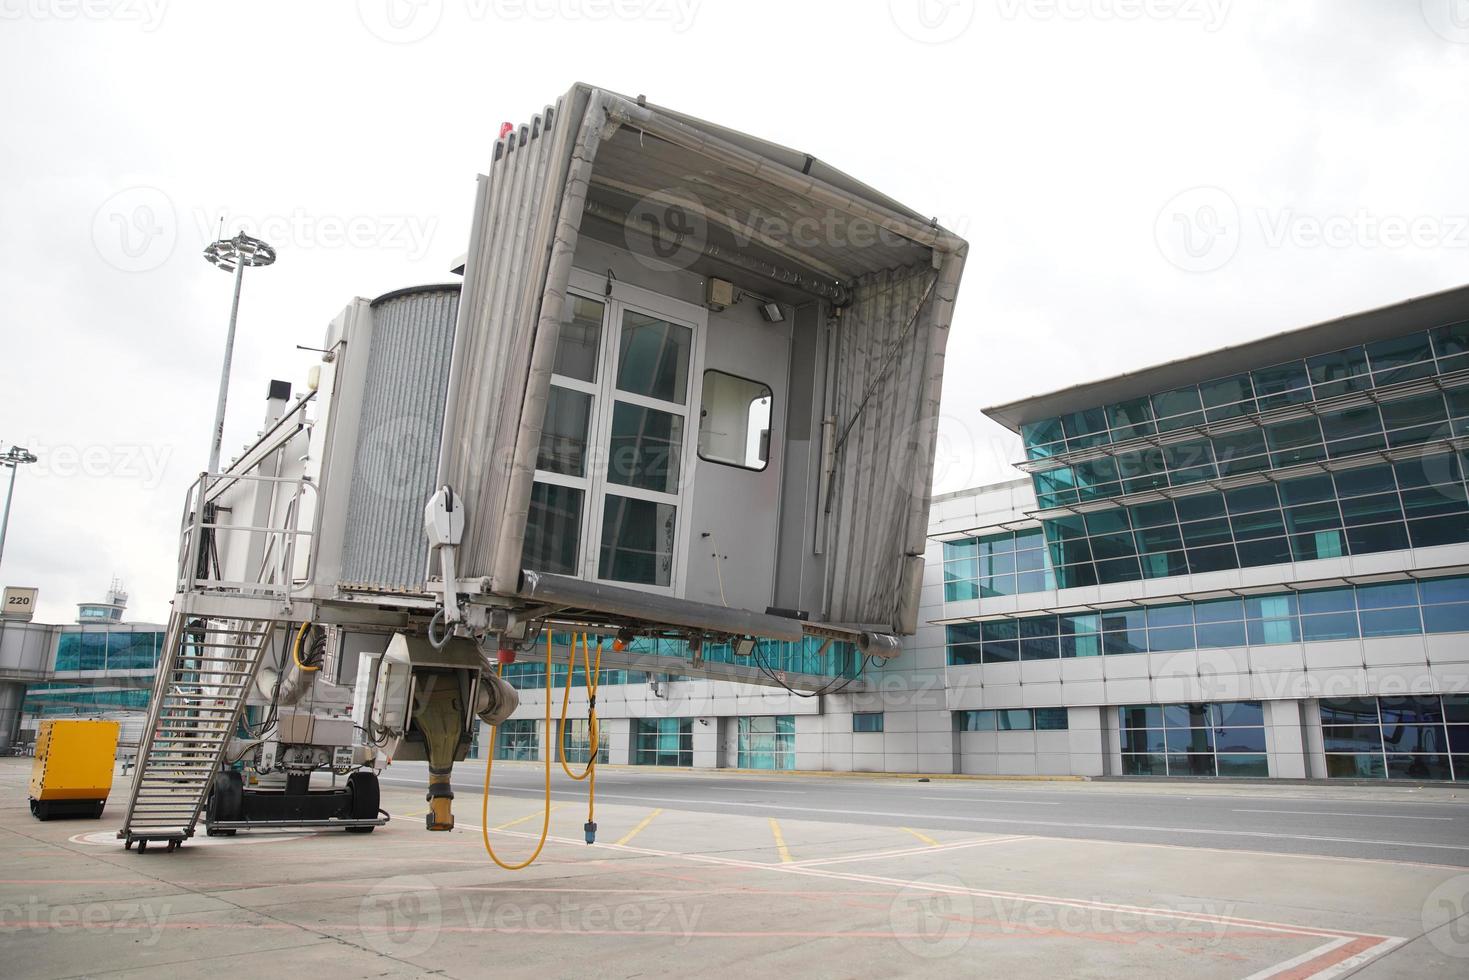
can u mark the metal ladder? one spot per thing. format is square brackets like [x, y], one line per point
[208, 668]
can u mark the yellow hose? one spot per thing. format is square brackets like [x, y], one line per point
[592, 675]
[296, 650]
[484, 806]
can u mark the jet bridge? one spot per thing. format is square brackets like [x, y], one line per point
[682, 403]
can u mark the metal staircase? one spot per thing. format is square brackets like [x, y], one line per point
[207, 671]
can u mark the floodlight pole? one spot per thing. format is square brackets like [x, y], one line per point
[13, 459]
[232, 255]
[224, 374]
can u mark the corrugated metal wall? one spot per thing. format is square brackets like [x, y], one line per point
[883, 475]
[517, 235]
[398, 437]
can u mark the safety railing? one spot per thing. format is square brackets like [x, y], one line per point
[291, 525]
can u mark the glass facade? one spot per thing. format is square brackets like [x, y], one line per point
[1220, 739]
[1424, 737]
[108, 650]
[1012, 720]
[867, 721]
[53, 699]
[663, 742]
[811, 655]
[1413, 503]
[997, 564]
[1375, 366]
[767, 742]
[576, 743]
[519, 738]
[1438, 605]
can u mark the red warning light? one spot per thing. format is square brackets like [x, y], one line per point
[506, 129]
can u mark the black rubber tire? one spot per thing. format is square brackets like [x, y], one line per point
[100, 807]
[366, 796]
[359, 830]
[226, 802]
[43, 811]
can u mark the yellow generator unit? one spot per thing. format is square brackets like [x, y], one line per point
[72, 774]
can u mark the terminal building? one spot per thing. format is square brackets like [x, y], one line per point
[97, 667]
[1249, 563]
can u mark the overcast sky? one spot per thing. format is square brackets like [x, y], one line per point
[1139, 180]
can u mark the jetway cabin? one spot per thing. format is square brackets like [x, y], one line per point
[687, 388]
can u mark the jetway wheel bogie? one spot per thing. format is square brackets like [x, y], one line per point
[226, 802]
[366, 795]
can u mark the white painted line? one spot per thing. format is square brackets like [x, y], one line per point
[1061, 824]
[1338, 813]
[1277, 969]
[986, 799]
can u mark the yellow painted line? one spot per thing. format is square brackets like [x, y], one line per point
[642, 824]
[923, 837]
[780, 842]
[529, 816]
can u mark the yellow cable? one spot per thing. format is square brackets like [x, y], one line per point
[484, 806]
[296, 650]
[591, 683]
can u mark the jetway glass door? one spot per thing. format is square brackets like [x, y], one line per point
[616, 444]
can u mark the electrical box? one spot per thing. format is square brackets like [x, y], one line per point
[72, 773]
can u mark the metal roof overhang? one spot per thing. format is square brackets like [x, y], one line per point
[1420, 313]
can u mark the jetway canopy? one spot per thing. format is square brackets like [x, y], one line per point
[874, 279]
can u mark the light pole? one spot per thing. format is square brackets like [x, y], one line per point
[232, 255]
[14, 458]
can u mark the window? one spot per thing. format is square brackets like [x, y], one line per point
[576, 745]
[1012, 720]
[517, 739]
[663, 742]
[734, 421]
[867, 721]
[1382, 609]
[1201, 739]
[611, 466]
[1423, 737]
[767, 742]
